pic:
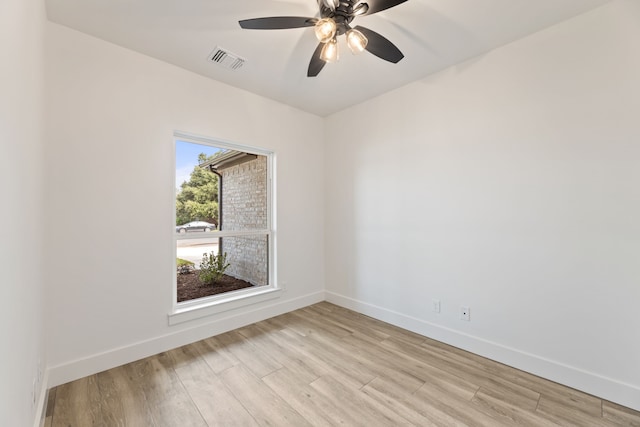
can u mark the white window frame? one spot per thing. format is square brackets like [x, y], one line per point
[202, 307]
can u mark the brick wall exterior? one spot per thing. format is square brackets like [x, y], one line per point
[244, 207]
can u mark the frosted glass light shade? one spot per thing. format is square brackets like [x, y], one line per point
[325, 29]
[330, 51]
[357, 41]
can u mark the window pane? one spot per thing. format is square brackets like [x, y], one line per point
[226, 190]
[243, 193]
[197, 188]
[247, 258]
[192, 250]
[220, 189]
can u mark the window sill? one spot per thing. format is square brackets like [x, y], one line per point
[192, 310]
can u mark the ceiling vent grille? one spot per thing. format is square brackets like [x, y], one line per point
[226, 59]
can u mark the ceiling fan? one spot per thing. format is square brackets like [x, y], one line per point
[335, 20]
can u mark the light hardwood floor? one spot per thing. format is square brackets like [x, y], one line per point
[323, 366]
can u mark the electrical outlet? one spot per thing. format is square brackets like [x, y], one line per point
[465, 313]
[39, 371]
[435, 303]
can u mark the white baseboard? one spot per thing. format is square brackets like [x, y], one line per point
[606, 388]
[80, 368]
[41, 404]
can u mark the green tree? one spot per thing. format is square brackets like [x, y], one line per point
[197, 199]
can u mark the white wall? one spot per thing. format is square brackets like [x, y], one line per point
[111, 117]
[509, 184]
[21, 190]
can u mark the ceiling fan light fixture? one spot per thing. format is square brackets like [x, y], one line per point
[356, 40]
[325, 29]
[332, 20]
[331, 4]
[360, 9]
[329, 52]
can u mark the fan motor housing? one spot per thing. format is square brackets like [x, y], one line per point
[342, 15]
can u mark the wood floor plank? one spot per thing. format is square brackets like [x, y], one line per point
[323, 365]
[263, 339]
[73, 404]
[115, 408]
[295, 349]
[510, 391]
[367, 359]
[557, 392]
[383, 364]
[183, 356]
[355, 322]
[569, 399]
[527, 401]
[318, 323]
[620, 415]
[415, 368]
[386, 391]
[437, 375]
[313, 406]
[51, 399]
[351, 317]
[163, 392]
[290, 323]
[135, 406]
[246, 352]
[217, 356]
[457, 406]
[334, 360]
[397, 405]
[367, 411]
[217, 405]
[499, 407]
[565, 414]
[98, 400]
[266, 407]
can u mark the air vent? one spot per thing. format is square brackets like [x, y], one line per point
[226, 59]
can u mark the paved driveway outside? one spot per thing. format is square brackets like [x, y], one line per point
[193, 249]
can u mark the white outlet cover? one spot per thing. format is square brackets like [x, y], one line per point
[436, 305]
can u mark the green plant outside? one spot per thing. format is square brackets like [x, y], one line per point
[212, 267]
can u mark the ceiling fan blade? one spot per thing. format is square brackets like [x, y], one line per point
[380, 5]
[380, 46]
[316, 65]
[277, 23]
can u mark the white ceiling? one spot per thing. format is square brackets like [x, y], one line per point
[432, 34]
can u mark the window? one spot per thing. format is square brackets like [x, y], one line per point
[224, 223]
